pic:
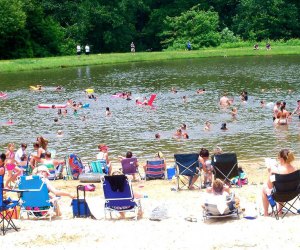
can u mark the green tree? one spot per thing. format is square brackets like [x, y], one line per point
[269, 19]
[197, 26]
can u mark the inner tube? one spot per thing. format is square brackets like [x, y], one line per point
[86, 105]
[34, 88]
[90, 177]
[53, 106]
[3, 95]
[89, 91]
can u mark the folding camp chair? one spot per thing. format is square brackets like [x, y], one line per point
[155, 169]
[211, 210]
[99, 166]
[130, 166]
[225, 167]
[7, 209]
[187, 166]
[118, 195]
[286, 192]
[35, 202]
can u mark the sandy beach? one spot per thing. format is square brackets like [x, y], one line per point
[174, 232]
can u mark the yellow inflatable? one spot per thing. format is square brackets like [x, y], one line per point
[37, 87]
[89, 91]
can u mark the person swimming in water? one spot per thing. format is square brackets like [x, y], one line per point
[207, 126]
[225, 101]
[224, 126]
[234, 112]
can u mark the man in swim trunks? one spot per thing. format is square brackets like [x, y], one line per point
[276, 110]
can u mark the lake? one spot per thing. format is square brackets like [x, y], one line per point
[131, 127]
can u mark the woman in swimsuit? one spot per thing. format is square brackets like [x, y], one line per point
[285, 158]
[282, 116]
[11, 165]
[40, 153]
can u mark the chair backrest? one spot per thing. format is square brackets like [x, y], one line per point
[151, 99]
[155, 169]
[36, 194]
[98, 166]
[187, 164]
[286, 186]
[75, 166]
[225, 165]
[117, 191]
[129, 165]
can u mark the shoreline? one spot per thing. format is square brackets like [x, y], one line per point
[30, 64]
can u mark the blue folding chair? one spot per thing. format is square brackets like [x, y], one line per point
[155, 169]
[7, 209]
[35, 202]
[187, 167]
[118, 195]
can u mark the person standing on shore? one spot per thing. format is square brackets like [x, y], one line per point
[78, 49]
[87, 49]
[132, 47]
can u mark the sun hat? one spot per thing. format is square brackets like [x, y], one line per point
[102, 147]
[43, 168]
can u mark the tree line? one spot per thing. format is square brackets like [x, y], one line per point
[40, 28]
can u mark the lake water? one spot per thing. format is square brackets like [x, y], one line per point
[252, 135]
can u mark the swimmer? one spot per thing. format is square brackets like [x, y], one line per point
[207, 126]
[244, 96]
[145, 101]
[55, 119]
[65, 112]
[107, 112]
[59, 133]
[10, 121]
[297, 110]
[234, 112]
[178, 134]
[223, 127]
[39, 87]
[59, 112]
[200, 91]
[183, 126]
[157, 136]
[185, 136]
[224, 101]
[83, 118]
[173, 90]
[184, 99]
[58, 88]
[276, 110]
[262, 103]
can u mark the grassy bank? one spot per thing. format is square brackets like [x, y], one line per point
[101, 59]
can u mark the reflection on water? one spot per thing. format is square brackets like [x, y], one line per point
[131, 127]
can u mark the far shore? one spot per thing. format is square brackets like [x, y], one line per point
[29, 64]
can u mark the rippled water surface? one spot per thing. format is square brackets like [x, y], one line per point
[131, 127]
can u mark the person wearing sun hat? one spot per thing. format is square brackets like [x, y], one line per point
[43, 172]
[103, 155]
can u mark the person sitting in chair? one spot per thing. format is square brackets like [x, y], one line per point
[285, 158]
[103, 155]
[129, 155]
[43, 172]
